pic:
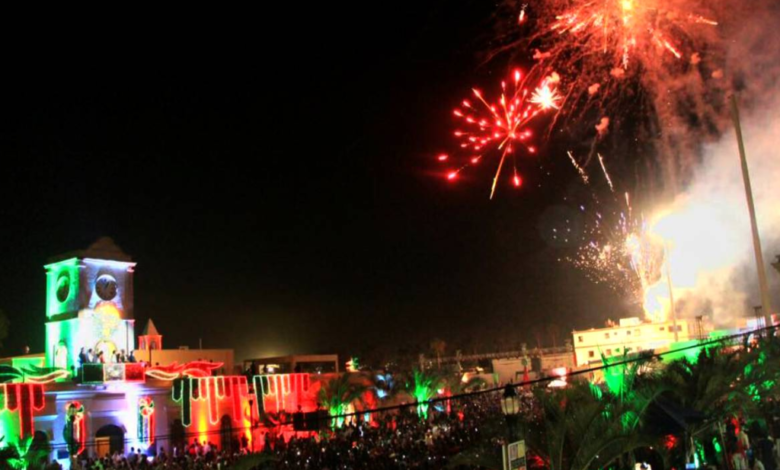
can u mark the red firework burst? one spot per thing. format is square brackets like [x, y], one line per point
[502, 125]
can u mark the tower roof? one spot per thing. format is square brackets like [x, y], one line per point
[103, 248]
[150, 329]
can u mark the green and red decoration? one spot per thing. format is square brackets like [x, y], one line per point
[146, 420]
[212, 390]
[191, 369]
[75, 432]
[26, 399]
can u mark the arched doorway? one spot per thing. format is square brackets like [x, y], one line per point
[108, 348]
[178, 435]
[226, 434]
[110, 439]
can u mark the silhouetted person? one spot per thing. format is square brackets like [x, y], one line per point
[83, 358]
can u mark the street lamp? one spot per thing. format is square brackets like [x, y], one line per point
[510, 406]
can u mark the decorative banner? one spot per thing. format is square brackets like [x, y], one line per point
[236, 389]
[32, 374]
[118, 372]
[201, 368]
[284, 392]
[113, 372]
[92, 373]
[26, 398]
[211, 390]
[134, 372]
[190, 369]
[75, 433]
[146, 420]
[185, 391]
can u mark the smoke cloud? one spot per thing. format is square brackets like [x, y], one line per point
[708, 228]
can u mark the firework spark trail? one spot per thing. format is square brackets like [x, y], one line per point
[606, 173]
[618, 248]
[503, 125]
[613, 53]
[624, 28]
[620, 252]
[579, 169]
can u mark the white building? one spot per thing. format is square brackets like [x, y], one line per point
[633, 335]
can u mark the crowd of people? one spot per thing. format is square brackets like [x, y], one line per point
[393, 441]
[751, 449]
[88, 356]
[398, 442]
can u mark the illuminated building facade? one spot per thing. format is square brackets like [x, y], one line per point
[89, 304]
[106, 406]
[632, 335]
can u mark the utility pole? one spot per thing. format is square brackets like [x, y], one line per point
[766, 306]
[671, 293]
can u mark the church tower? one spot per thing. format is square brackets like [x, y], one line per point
[89, 304]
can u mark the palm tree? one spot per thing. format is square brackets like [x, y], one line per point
[424, 386]
[538, 333]
[581, 428]
[438, 346]
[709, 384]
[24, 455]
[341, 393]
[555, 332]
[455, 384]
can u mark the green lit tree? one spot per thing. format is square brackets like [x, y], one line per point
[24, 455]
[423, 387]
[343, 392]
[583, 428]
[718, 384]
[709, 384]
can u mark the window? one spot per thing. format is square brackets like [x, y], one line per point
[606, 335]
[591, 354]
[679, 327]
[628, 332]
[609, 352]
[579, 338]
[661, 328]
[617, 350]
[637, 332]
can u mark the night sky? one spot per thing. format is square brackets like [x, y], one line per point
[273, 174]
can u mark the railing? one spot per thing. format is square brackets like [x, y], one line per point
[504, 354]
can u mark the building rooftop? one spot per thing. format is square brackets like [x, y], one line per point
[150, 329]
[102, 248]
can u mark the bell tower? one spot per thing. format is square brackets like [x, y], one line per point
[89, 304]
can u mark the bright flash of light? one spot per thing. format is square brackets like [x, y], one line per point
[500, 125]
[546, 97]
[703, 247]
